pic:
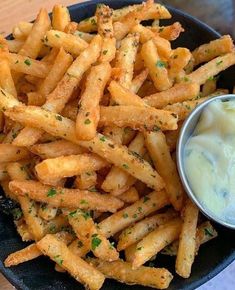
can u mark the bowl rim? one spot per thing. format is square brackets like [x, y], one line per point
[229, 259]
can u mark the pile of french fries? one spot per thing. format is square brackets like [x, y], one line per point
[90, 116]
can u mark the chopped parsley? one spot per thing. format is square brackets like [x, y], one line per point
[146, 198]
[105, 52]
[125, 166]
[57, 35]
[125, 215]
[92, 189]
[102, 139]
[161, 63]
[58, 260]
[83, 201]
[51, 192]
[58, 117]
[73, 213]
[208, 233]
[17, 213]
[27, 62]
[87, 121]
[95, 242]
[219, 62]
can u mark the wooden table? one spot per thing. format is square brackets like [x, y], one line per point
[220, 14]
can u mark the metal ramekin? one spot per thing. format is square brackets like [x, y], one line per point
[185, 132]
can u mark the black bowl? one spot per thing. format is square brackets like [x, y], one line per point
[213, 256]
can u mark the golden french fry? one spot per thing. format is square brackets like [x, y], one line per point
[116, 154]
[78, 268]
[11, 153]
[156, 66]
[129, 196]
[138, 231]
[141, 118]
[83, 35]
[160, 154]
[56, 225]
[70, 43]
[86, 180]
[187, 241]
[33, 43]
[208, 51]
[87, 232]
[159, 278]
[155, 241]
[63, 197]
[178, 61]
[89, 109]
[139, 80]
[60, 17]
[22, 30]
[171, 32]
[66, 166]
[47, 212]
[14, 45]
[56, 149]
[133, 213]
[6, 80]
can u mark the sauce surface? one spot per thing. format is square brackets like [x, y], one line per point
[209, 159]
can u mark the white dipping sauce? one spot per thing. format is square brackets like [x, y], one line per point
[209, 159]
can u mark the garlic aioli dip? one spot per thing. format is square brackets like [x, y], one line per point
[209, 159]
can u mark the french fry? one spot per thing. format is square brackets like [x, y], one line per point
[126, 57]
[26, 65]
[160, 154]
[83, 35]
[11, 153]
[105, 29]
[116, 154]
[211, 68]
[133, 213]
[35, 99]
[187, 241]
[172, 137]
[178, 61]
[70, 110]
[138, 231]
[63, 91]
[129, 196]
[23, 231]
[90, 24]
[155, 241]
[70, 43]
[47, 212]
[63, 197]
[139, 80]
[60, 17]
[213, 49]
[141, 118]
[56, 225]
[88, 233]
[66, 166]
[89, 110]
[170, 32]
[12, 134]
[114, 133]
[86, 180]
[177, 94]
[56, 149]
[159, 278]
[14, 45]
[117, 178]
[78, 268]
[22, 30]
[33, 43]
[157, 67]
[6, 80]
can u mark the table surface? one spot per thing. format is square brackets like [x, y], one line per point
[220, 14]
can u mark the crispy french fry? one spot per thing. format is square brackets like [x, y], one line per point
[114, 133]
[6, 80]
[11, 153]
[178, 61]
[171, 32]
[70, 43]
[23, 231]
[60, 17]
[78, 248]
[89, 110]
[136, 232]
[47, 212]
[129, 196]
[78, 268]
[63, 91]
[178, 93]
[208, 51]
[87, 232]
[116, 154]
[157, 67]
[141, 118]
[22, 30]
[33, 43]
[12, 134]
[187, 241]
[56, 149]
[155, 241]
[139, 80]
[26, 65]
[126, 57]
[159, 278]
[86, 180]
[83, 35]
[66, 166]
[133, 213]
[56, 225]
[160, 154]
[105, 29]
[14, 45]
[63, 197]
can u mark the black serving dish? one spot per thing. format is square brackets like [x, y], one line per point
[213, 257]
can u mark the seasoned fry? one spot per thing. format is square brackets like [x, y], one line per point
[70, 43]
[133, 213]
[139, 80]
[187, 241]
[66, 166]
[23, 231]
[89, 110]
[129, 196]
[33, 43]
[86, 180]
[141, 118]
[47, 212]
[14, 45]
[136, 232]
[157, 67]
[22, 30]
[56, 149]
[60, 17]
[10, 153]
[171, 32]
[178, 61]
[63, 197]
[77, 267]
[88, 233]
[155, 241]
[159, 278]
[6, 80]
